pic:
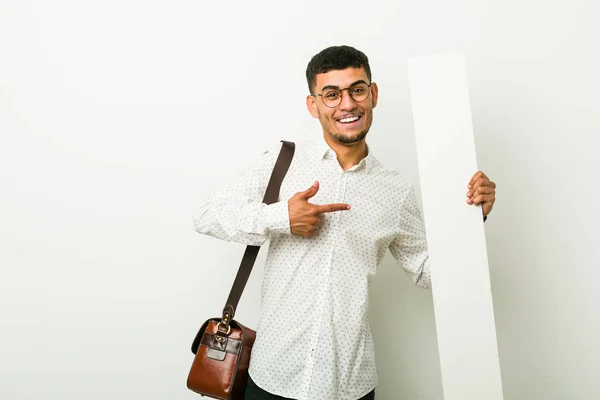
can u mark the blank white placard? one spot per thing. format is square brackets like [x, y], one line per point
[462, 297]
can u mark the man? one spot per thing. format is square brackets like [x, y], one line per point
[339, 211]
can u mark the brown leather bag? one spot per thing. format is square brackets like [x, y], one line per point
[223, 345]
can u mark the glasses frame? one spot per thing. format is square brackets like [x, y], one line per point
[342, 94]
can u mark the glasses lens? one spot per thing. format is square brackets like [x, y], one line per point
[359, 92]
[331, 97]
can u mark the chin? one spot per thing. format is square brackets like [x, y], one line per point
[349, 139]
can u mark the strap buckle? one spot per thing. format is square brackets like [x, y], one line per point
[227, 326]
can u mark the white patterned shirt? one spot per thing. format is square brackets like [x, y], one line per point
[313, 336]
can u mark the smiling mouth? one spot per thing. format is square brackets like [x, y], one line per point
[349, 120]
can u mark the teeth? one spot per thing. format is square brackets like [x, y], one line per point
[349, 119]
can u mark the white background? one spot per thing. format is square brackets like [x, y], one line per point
[118, 117]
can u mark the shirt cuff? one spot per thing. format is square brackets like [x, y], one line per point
[277, 218]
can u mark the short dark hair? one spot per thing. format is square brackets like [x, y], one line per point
[335, 58]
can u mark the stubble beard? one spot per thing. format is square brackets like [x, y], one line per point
[348, 140]
[341, 139]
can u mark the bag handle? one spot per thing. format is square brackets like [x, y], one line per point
[271, 196]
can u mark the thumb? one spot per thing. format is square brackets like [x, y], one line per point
[311, 191]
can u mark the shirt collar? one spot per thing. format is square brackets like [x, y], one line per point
[322, 148]
[322, 151]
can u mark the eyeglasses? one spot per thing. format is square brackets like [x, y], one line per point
[333, 97]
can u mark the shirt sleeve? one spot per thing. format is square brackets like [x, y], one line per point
[236, 213]
[409, 247]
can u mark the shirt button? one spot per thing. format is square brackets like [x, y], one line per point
[329, 244]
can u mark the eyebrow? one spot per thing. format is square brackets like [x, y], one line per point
[338, 88]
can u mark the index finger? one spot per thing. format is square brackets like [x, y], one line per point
[326, 208]
[478, 174]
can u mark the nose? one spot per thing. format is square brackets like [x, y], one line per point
[347, 102]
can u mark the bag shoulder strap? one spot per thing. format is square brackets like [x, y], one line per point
[271, 196]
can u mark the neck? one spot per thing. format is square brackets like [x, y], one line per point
[348, 155]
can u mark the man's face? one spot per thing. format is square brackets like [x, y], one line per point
[350, 120]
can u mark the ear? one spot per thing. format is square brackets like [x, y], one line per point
[311, 104]
[374, 93]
